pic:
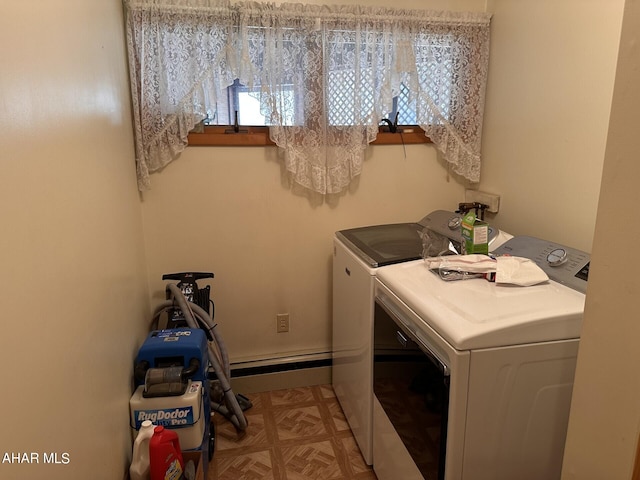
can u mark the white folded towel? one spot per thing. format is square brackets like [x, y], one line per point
[519, 271]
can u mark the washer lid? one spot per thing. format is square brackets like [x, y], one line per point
[379, 245]
[475, 313]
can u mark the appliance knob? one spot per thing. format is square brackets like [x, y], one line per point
[557, 257]
[454, 223]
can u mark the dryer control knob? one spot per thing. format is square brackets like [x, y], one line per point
[557, 257]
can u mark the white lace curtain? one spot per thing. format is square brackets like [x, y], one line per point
[326, 77]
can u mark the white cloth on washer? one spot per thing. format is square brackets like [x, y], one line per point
[475, 263]
[508, 270]
[519, 271]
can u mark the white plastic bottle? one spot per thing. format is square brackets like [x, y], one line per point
[139, 469]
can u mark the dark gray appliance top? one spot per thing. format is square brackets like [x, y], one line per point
[562, 264]
[379, 245]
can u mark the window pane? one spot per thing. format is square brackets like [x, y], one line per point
[406, 107]
[249, 109]
[346, 99]
[246, 102]
[434, 59]
[350, 96]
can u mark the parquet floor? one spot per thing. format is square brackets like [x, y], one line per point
[296, 434]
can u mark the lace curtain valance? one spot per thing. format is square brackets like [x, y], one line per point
[326, 76]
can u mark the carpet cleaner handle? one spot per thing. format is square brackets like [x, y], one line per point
[187, 277]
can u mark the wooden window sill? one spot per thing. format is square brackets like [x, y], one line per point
[259, 136]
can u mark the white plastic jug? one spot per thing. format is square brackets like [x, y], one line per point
[139, 469]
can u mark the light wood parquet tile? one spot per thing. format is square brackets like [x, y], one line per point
[294, 434]
[298, 422]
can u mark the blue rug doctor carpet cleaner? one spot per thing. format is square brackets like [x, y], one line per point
[172, 366]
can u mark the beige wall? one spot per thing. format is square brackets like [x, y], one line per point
[72, 277]
[73, 245]
[545, 129]
[226, 210]
[605, 412]
[549, 93]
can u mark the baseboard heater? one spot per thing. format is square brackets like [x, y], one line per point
[278, 365]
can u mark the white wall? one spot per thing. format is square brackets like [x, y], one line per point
[551, 76]
[605, 410]
[72, 279]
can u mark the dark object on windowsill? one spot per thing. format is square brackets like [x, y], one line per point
[392, 126]
[236, 127]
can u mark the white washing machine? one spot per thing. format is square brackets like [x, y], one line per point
[358, 254]
[473, 380]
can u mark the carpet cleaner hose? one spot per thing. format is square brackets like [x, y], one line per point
[218, 356]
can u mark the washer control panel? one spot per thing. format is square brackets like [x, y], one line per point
[562, 264]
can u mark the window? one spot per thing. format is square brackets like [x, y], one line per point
[343, 89]
[322, 77]
[243, 104]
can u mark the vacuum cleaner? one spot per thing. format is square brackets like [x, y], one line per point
[182, 371]
[172, 385]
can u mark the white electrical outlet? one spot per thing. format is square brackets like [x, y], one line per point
[490, 199]
[282, 322]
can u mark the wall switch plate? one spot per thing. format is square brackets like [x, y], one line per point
[282, 322]
[490, 199]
